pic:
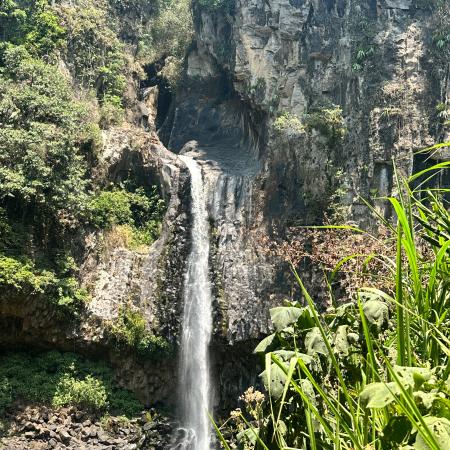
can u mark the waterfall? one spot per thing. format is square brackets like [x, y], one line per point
[195, 386]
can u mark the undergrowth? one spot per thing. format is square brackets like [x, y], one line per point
[130, 330]
[372, 373]
[62, 379]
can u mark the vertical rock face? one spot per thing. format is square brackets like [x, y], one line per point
[357, 83]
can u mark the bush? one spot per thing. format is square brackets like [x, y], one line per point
[134, 218]
[130, 329]
[167, 37]
[329, 121]
[22, 276]
[289, 123]
[89, 393]
[43, 126]
[110, 208]
[33, 24]
[62, 379]
[93, 50]
[62, 290]
[111, 112]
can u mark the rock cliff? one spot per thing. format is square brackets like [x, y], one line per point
[284, 103]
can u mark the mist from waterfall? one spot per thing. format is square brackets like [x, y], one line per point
[195, 385]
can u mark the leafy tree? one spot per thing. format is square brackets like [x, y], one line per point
[32, 24]
[93, 51]
[41, 127]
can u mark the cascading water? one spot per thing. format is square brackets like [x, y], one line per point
[195, 386]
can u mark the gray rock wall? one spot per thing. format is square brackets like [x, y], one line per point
[255, 60]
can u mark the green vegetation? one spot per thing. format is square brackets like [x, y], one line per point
[364, 48]
[95, 53]
[329, 121]
[62, 379]
[43, 128]
[137, 213]
[63, 72]
[23, 276]
[213, 5]
[289, 123]
[439, 27]
[32, 24]
[362, 56]
[130, 329]
[371, 373]
[167, 38]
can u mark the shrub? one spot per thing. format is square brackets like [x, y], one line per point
[89, 393]
[167, 37]
[329, 121]
[93, 49]
[23, 276]
[62, 379]
[111, 112]
[130, 329]
[111, 208]
[33, 24]
[39, 142]
[289, 123]
[133, 218]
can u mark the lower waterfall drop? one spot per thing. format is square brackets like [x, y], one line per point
[195, 385]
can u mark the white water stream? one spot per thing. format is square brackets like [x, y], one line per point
[195, 385]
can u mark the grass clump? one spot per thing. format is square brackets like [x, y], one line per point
[62, 379]
[372, 373]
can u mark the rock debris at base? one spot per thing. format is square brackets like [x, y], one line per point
[44, 428]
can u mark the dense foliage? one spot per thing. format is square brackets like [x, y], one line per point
[62, 379]
[63, 72]
[372, 373]
[130, 330]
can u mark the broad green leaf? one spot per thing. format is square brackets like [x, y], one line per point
[379, 395]
[314, 343]
[413, 376]
[341, 344]
[277, 380]
[426, 399]
[377, 313]
[250, 435]
[440, 429]
[283, 316]
[265, 344]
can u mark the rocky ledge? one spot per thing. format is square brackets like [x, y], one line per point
[39, 428]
